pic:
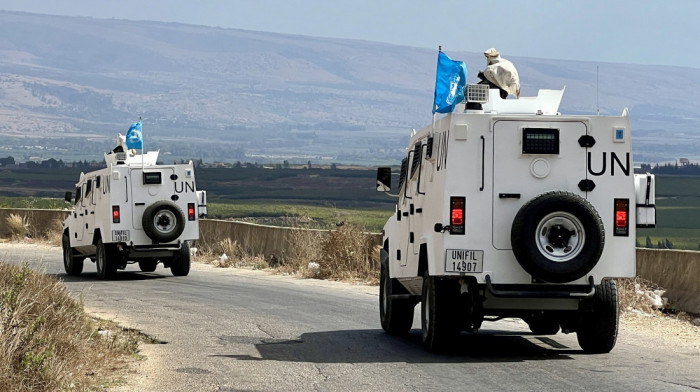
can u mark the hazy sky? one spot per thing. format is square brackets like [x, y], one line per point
[629, 31]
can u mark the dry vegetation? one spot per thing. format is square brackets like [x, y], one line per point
[48, 343]
[343, 254]
[18, 227]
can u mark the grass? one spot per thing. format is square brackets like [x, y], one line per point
[300, 215]
[32, 202]
[49, 343]
[18, 226]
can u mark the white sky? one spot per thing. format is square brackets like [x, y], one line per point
[629, 31]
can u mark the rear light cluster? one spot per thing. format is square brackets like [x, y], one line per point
[622, 223]
[457, 214]
[191, 215]
[115, 214]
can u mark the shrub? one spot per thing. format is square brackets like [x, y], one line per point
[305, 249]
[347, 253]
[18, 226]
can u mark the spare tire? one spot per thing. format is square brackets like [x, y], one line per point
[163, 221]
[557, 237]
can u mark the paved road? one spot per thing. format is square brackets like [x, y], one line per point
[241, 330]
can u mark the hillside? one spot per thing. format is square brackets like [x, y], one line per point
[227, 94]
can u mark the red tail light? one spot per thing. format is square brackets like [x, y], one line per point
[115, 214]
[190, 211]
[457, 215]
[621, 219]
[622, 223]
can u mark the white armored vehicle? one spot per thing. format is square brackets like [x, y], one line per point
[510, 209]
[135, 210]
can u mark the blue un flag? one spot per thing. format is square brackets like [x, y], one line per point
[450, 80]
[134, 137]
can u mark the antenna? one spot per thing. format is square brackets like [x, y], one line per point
[597, 92]
[143, 147]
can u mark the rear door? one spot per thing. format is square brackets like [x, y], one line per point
[531, 158]
[149, 185]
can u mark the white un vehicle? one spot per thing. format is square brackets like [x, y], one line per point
[513, 210]
[134, 210]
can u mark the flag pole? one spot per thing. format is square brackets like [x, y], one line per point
[143, 146]
[433, 131]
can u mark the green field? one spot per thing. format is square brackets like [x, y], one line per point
[32, 202]
[677, 213]
[300, 215]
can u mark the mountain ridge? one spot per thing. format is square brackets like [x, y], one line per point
[91, 77]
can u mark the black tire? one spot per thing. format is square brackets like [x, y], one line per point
[543, 325]
[71, 263]
[439, 313]
[597, 333]
[163, 221]
[557, 237]
[105, 260]
[148, 265]
[180, 265]
[396, 315]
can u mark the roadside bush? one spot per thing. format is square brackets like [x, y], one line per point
[305, 249]
[347, 253]
[47, 342]
[18, 226]
[631, 294]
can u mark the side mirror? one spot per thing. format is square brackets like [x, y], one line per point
[383, 179]
[68, 197]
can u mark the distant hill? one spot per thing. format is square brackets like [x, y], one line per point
[228, 94]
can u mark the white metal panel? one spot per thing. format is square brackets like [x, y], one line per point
[529, 175]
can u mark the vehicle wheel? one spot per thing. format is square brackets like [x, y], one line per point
[597, 333]
[148, 265]
[543, 325]
[180, 266]
[72, 264]
[163, 221]
[396, 315]
[106, 264]
[439, 315]
[557, 237]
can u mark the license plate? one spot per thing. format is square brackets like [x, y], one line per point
[120, 235]
[464, 261]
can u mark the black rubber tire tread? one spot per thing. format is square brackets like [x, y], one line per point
[152, 232]
[597, 333]
[396, 315]
[543, 325]
[180, 266]
[523, 237]
[438, 307]
[148, 265]
[72, 264]
[105, 260]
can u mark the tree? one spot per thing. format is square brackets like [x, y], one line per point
[649, 244]
[669, 244]
[7, 161]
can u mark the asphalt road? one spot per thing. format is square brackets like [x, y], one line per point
[242, 330]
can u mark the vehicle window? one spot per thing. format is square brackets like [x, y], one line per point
[77, 195]
[415, 164]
